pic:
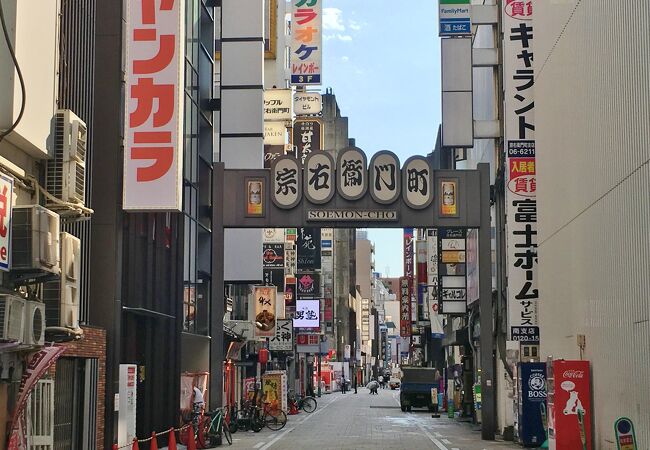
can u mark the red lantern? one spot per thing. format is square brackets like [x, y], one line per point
[263, 356]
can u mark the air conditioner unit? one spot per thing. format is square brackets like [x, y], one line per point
[12, 318]
[35, 239]
[34, 324]
[66, 171]
[61, 297]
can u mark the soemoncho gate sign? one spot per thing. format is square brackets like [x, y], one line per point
[347, 191]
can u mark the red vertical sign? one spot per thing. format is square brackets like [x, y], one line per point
[405, 308]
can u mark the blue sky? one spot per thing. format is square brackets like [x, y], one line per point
[382, 60]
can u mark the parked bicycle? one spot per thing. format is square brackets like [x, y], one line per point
[213, 428]
[307, 403]
[249, 417]
[274, 418]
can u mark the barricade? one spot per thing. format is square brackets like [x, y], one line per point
[135, 445]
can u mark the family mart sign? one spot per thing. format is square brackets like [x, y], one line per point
[455, 18]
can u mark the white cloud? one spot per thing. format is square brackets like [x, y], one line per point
[354, 25]
[332, 19]
[344, 37]
[345, 58]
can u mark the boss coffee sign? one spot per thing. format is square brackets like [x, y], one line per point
[352, 178]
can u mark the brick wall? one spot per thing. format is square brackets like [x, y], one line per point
[93, 345]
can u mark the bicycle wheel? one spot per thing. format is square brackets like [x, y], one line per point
[256, 421]
[309, 404]
[275, 420]
[226, 433]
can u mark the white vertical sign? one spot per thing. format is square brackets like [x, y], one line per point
[521, 202]
[153, 119]
[432, 284]
[306, 41]
[128, 402]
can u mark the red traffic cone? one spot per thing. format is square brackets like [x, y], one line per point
[135, 444]
[154, 442]
[191, 444]
[172, 440]
[294, 409]
[115, 447]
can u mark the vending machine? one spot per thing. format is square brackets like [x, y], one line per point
[569, 405]
[531, 400]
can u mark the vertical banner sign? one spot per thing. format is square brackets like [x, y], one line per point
[6, 207]
[405, 308]
[452, 271]
[432, 284]
[306, 41]
[289, 295]
[283, 339]
[309, 251]
[265, 299]
[472, 267]
[421, 260]
[521, 201]
[153, 134]
[307, 137]
[409, 264]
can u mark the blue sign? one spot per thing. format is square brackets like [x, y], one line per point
[455, 27]
[532, 391]
[326, 243]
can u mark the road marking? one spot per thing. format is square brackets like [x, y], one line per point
[258, 445]
[438, 434]
[437, 443]
[285, 432]
[446, 441]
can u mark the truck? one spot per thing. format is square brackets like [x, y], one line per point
[416, 385]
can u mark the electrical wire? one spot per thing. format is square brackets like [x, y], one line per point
[20, 75]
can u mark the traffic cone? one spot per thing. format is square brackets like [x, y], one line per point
[115, 447]
[154, 442]
[172, 440]
[191, 444]
[135, 444]
[294, 409]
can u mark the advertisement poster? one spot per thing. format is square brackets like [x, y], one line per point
[449, 205]
[274, 389]
[307, 314]
[308, 249]
[265, 306]
[6, 208]
[273, 256]
[255, 197]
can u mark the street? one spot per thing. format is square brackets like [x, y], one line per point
[363, 421]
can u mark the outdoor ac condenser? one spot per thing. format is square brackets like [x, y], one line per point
[12, 318]
[66, 171]
[61, 296]
[34, 324]
[35, 240]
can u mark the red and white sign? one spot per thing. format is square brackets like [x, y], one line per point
[6, 204]
[153, 117]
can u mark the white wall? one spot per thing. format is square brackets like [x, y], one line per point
[593, 135]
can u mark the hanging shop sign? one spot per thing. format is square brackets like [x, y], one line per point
[307, 137]
[154, 66]
[265, 305]
[273, 277]
[432, 284]
[471, 265]
[275, 133]
[271, 153]
[521, 182]
[6, 211]
[273, 235]
[405, 308]
[289, 294]
[277, 105]
[308, 285]
[290, 258]
[307, 103]
[286, 182]
[307, 314]
[309, 249]
[273, 255]
[306, 42]
[452, 282]
[283, 339]
[455, 18]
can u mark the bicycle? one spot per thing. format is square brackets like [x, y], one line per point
[213, 428]
[191, 417]
[274, 418]
[307, 403]
[248, 417]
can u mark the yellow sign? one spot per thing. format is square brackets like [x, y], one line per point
[449, 206]
[453, 256]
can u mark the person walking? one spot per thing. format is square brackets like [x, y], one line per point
[343, 384]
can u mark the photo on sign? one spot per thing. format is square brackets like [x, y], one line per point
[254, 197]
[449, 203]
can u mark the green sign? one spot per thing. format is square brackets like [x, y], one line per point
[625, 437]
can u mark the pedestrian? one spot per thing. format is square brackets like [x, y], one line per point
[198, 403]
[381, 381]
[343, 385]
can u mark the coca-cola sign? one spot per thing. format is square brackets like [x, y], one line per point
[573, 374]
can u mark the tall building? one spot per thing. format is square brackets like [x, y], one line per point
[593, 215]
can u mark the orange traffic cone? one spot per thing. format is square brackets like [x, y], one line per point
[115, 447]
[154, 442]
[135, 444]
[191, 444]
[172, 440]
[294, 409]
